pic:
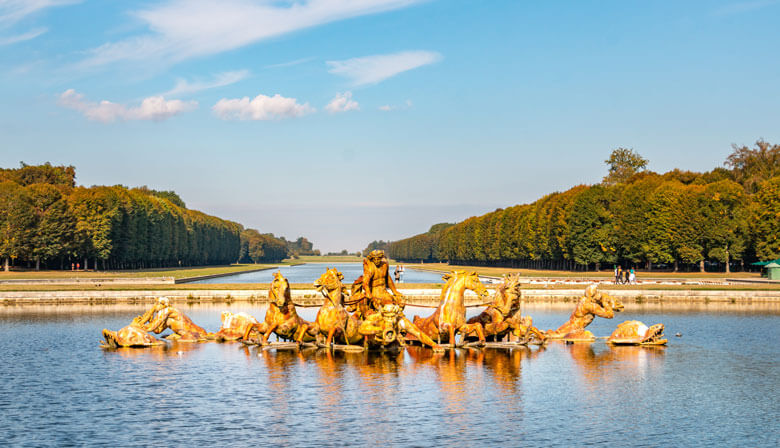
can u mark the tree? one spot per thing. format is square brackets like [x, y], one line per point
[16, 222]
[53, 230]
[765, 214]
[751, 167]
[623, 163]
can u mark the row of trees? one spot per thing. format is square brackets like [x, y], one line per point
[724, 216]
[259, 247]
[45, 219]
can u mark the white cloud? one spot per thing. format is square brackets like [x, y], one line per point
[22, 37]
[260, 108]
[377, 68]
[740, 7]
[183, 29]
[388, 108]
[13, 11]
[342, 102]
[184, 87]
[154, 108]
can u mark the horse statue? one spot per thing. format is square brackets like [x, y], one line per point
[382, 329]
[503, 315]
[450, 317]
[132, 335]
[593, 303]
[234, 326]
[184, 330]
[332, 317]
[633, 332]
[281, 318]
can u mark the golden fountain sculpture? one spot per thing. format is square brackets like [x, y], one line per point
[593, 303]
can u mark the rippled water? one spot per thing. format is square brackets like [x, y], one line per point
[309, 272]
[717, 385]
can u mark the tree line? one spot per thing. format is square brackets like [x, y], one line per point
[46, 220]
[723, 218]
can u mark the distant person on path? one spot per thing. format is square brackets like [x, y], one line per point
[401, 273]
[397, 274]
[617, 275]
[625, 275]
[632, 277]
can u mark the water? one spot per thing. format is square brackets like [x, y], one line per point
[717, 385]
[308, 273]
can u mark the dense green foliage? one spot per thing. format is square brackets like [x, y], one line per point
[259, 247]
[678, 218]
[45, 219]
[301, 246]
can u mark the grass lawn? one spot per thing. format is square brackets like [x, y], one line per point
[641, 274]
[164, 272]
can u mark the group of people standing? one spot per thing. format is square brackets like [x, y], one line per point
[625, 276]
[399, 273]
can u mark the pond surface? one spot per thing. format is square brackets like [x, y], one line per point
[309, 272]
[716, 385]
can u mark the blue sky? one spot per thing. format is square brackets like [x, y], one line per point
[353, 120]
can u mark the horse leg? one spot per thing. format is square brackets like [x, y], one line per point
[329, 340]
[451, 329]
[268, 333]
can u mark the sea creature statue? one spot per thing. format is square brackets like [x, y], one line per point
[166, 316]
[633, 332]
[132, 335]
[503, 315]
[450, 317]
[234, 326]
[281, 317]
[593, 303]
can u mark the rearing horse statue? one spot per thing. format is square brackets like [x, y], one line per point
[450, 317]
[281, 318]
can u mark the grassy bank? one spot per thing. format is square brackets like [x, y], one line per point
[177, 273]
[499, 271]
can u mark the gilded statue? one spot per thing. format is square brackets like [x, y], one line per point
[281, 318]
[633, 332]
[503, 315]
[166, 316]
[370, 290]
[450, 317]
[132, 335]
[379, 329]
[234, 326]
[593, 303]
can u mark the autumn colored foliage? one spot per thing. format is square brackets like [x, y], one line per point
[680, 218]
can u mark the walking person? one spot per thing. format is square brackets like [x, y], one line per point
[401, 274]
[397, 274]
[632, 277]
[617, 274]
[625, 277]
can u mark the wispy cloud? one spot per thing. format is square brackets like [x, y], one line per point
[388, 108]
[377, 68]
[22, 37]
[740, 7]
[184, 87]
[184, 29]
[154, 108]
[13, 11]
[261, 108]
[342, 102]
[290, 63]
